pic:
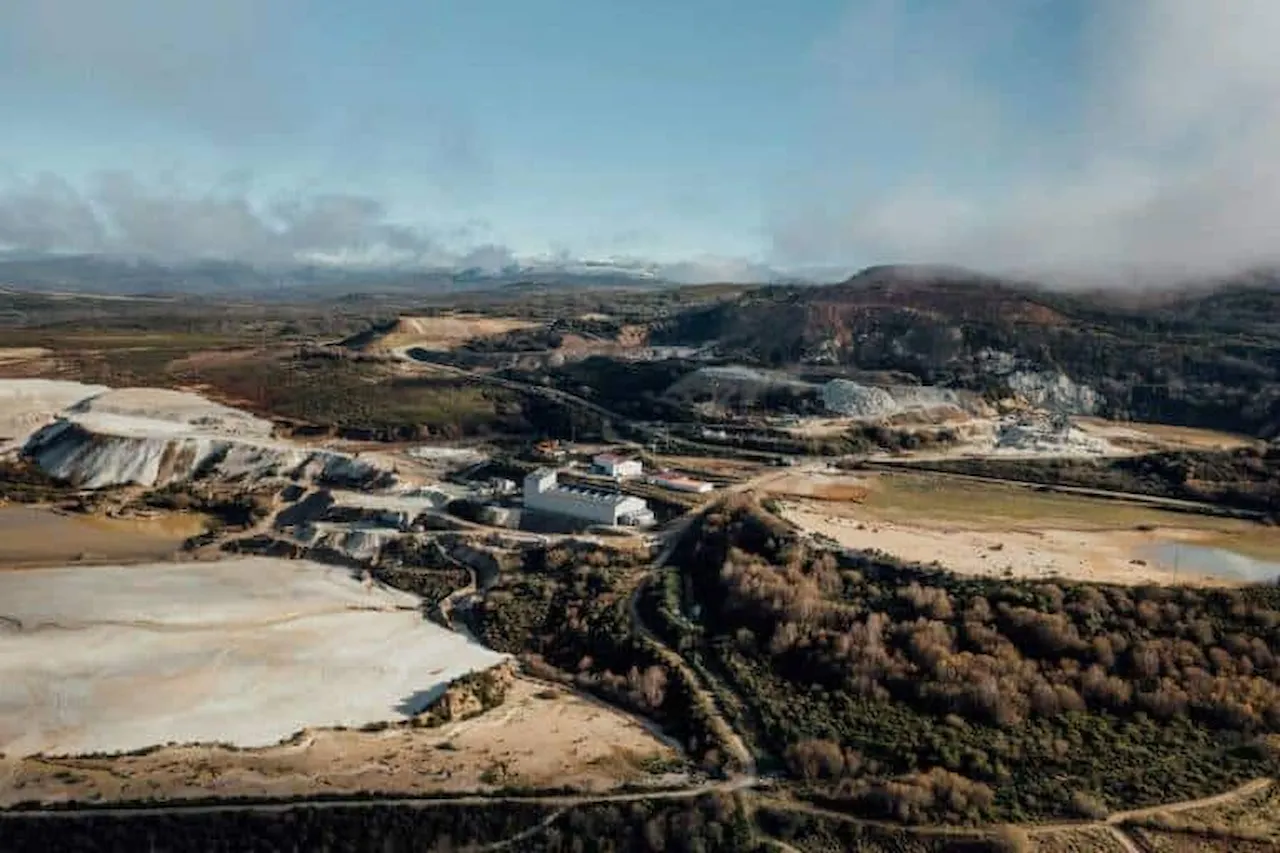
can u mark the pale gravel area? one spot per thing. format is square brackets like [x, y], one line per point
[1018, 550]
[540, 736]
[26, 405]
[247, 652]
[144, 412]
[153, 437]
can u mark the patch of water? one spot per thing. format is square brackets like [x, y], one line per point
[38, 535]
[1214, 562]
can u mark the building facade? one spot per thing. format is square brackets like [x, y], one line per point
[543, 492]
[618, 467]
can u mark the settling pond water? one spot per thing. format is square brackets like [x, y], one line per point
[1214, 562]
[35, 536]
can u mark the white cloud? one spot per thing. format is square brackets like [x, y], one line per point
[1169, 170]
[168, 220]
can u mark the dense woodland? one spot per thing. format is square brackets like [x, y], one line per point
[567, 614]
[708, 823]
[384, 829]
[918, 695]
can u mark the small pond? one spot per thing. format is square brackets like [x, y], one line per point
[1215, 562]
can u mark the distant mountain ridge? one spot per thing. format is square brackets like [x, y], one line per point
[103, 274]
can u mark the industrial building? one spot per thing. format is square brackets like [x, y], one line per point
[616, 466]
[544, 493]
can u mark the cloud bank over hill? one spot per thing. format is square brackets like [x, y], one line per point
[226, 76]
[1164, 167]
[1142, 147]
[121, 215]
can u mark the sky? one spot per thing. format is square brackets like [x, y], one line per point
[1061, 138]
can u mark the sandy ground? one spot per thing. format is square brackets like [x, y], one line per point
[821, 487]
[28, 362]
[997, 530]
[540, 737]
[710, 466]
[1142, 436]
[10, 355]
[1101, 556]
[36, 536]
[246, 652]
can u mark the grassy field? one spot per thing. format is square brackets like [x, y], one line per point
[910, 498]
[261, 369]
[352, 395]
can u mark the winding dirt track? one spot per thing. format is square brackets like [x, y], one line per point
[727, 786]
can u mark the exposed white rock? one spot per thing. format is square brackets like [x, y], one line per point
[358, 541]
[26, 405]
[1040, 436]
[147, 410]
[447, 455]
[853, 399]
[845, 397]
[152, 437]
[1053, 391]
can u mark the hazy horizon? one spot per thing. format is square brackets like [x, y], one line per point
[1065, 141]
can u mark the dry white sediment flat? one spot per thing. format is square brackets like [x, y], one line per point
[246, 652]
[26, 405]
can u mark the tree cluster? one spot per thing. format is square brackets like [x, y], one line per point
[866, 671]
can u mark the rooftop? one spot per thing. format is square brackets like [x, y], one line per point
[612, 458]
[590, 494]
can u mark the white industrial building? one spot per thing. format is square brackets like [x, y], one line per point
[544, 493]
[617, 467]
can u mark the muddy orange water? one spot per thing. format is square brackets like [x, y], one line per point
[31, 537]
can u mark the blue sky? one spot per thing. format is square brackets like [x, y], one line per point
[828, 131]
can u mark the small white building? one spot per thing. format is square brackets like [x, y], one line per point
[544, 493]
[616, 466]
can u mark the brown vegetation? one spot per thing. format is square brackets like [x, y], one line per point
[997, 682]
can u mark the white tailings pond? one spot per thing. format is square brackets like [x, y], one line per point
[246, 652]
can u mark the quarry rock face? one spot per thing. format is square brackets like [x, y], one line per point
[1045, 436]
[1054, 391]
[855, 400]
[846, 397]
